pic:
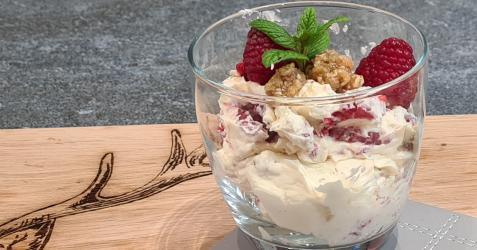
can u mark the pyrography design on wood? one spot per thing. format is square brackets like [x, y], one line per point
[33, 230]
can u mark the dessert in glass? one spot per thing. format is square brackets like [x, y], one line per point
[312, 116]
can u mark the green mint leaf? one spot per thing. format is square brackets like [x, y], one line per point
[275, 56]
[307, 22]
[317, 40]
[275, 32]
[317, 44]
[327, 25]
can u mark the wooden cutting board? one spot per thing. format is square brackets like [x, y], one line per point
[150, 187]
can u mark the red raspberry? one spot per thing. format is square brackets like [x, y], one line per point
[353, 134]
[272, 136]
[386, 62]
[352, 113]
[256, 112]
[240, 68]
[253, 110]
[257, 43]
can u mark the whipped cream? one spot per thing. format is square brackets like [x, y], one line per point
[308, 172]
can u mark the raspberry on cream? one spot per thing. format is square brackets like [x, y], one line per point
[387, 61]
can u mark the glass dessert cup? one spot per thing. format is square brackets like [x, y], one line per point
[310, 172]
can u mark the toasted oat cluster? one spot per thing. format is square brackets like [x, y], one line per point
[287, 81]
[336, 70]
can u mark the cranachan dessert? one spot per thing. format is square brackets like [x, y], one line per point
[337, 171]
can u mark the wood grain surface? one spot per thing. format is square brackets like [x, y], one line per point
[151, 194]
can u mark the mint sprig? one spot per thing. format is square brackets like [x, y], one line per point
[310, 39]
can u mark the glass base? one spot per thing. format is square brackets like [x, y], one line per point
[269, 236]
[370, 244]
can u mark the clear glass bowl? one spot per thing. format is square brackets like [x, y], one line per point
[297, 172]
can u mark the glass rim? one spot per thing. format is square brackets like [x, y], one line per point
[342, 97]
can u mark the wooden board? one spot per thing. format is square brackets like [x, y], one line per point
[149, 187]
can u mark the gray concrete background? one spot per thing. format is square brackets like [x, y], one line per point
[111, 62]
